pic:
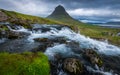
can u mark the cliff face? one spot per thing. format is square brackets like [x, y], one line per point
[3, 17]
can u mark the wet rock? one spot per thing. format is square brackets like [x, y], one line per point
[16, 35]
[3, 31]
[24, 23]
[42, 47]
[112, 63]
[93, 57]
[60, 40]
[41, 39]
[43, 29]
[73, 66]
[74, 46]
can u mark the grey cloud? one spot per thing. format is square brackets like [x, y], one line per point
[45, 7]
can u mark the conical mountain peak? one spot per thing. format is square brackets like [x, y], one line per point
[60, 14]
[59, 10]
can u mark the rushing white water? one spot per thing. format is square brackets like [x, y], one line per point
[2, 40]
[99, 71]
[85, 42]
[62, 49]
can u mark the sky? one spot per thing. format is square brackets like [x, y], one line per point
[91, 9]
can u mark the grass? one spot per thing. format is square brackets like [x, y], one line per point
[85, 29]
[92, 31]
[15, 16]
[24, 64]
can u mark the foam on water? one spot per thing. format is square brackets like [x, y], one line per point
[62, 49]
[85, 42]
[2, 40]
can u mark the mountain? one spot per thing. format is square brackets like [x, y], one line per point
[60, 14]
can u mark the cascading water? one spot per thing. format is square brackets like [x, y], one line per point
[51, 32]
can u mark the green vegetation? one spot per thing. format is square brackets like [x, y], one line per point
[93, 31]
[26, 20]
[24, 64]
[85, 29]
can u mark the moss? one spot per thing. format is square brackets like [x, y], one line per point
[93, 57]
[24, 64]
[3, 27]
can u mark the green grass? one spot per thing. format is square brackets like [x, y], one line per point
[85, 29]
[92, 31]
[14, 16]
[24, 64]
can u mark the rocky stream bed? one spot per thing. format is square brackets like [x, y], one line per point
[69, 53]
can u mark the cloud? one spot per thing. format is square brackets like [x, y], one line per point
[96, 8]
[31, 7]
[94, 12]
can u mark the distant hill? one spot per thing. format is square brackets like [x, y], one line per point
[60, 14]
[113, 23]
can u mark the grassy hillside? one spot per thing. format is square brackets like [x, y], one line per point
[24, 64]
[23, 19]
[93, 31]
[85, 29]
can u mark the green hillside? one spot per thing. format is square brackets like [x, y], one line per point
[23, 19]
[65, 19]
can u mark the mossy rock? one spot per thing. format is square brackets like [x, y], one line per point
[73, 66]
[93, 57]
[3, 27]
[24, 64]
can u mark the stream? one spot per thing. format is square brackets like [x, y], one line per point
[59, 43]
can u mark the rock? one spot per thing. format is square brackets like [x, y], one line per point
[42, 47]
[93, 57]
[3, 17]
[74, 66]
[3, 31]
[74, 46]
[60, 40]
[41, 39]
[16, 35]
[24, 23]
[43, 29]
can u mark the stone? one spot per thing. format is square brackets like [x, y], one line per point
[16, 35]
[93, 57]
[74, 66]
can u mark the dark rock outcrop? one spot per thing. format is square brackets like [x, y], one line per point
[16, 35]
[73, 66]
[93, 57]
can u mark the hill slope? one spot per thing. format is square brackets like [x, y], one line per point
[18, 18]
[60, 14]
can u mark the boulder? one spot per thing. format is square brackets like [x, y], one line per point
[16, 35]
[3, 31]
[93, 57]
[73, 66]
[60, 40]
